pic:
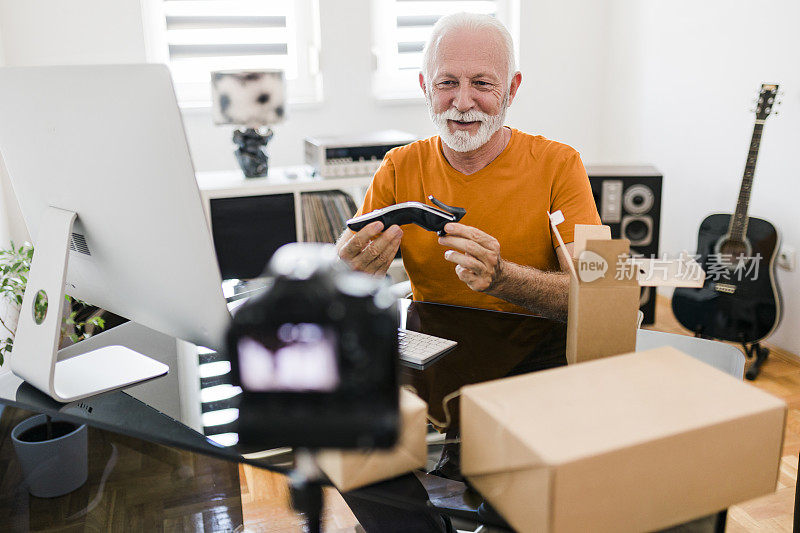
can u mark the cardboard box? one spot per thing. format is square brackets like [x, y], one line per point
[636, 442]
[350, 470]
[605, 281]
[603, 301]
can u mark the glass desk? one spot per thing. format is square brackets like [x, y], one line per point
[170, 410]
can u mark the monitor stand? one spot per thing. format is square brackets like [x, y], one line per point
[35, 354]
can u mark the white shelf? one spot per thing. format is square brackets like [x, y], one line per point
[232, 183]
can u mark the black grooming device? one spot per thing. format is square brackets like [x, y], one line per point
[423, 215]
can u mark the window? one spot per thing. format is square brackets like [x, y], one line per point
[401, 28]
[206, 35]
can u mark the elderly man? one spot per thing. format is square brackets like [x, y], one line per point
[503, 255]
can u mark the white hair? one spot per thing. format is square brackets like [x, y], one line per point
[470, 21]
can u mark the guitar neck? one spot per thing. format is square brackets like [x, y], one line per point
[738, 226]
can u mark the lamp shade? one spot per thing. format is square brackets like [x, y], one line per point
[251, 98]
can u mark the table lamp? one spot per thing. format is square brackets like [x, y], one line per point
[254, 99]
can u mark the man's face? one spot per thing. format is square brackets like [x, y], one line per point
[467, 92]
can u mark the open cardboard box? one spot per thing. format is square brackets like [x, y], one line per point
[350, 470]
[637, 442]
[605, 282]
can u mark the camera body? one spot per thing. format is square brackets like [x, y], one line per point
[316, 356]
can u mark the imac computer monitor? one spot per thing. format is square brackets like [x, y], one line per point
[99, 162]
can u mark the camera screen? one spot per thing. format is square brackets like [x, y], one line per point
[299, 358]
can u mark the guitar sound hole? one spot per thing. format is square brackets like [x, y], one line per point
[732, 252]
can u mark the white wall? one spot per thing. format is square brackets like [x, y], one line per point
[562, 51]
[10, 222]
[79, 31]
[622, 89]
[3, 209]
[4, 236]
[4, 230]
[701, 64]
[48, 32]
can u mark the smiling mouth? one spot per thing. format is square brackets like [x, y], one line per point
[463, 123]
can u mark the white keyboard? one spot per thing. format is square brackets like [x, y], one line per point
[418, 349]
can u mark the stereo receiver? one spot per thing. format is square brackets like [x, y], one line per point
[349, 155]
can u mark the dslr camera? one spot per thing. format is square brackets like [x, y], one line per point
[316, 356]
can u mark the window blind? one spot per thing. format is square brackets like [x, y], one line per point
[402, 28]
[207, 35]
[414, 21]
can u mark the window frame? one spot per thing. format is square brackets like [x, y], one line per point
[303, 89]
[390, 84]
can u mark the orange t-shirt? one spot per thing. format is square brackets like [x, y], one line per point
[508, 199]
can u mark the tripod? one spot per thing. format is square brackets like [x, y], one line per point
[760, 353]
[752, 351]
[306, 489]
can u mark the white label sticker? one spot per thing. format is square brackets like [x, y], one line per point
[557, 217]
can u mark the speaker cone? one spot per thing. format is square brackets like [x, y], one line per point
[638, 229]
[638, 199]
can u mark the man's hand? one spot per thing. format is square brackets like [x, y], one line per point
[478, 261]
[479, 265]
[371, 250]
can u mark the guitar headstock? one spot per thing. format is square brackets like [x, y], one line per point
[767, 100]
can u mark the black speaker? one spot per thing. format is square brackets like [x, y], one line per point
[628, 199]
[248, 229]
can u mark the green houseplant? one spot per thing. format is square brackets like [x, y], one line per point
[80, 320]
[53, 454]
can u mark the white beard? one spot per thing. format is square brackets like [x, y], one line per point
[463, 141]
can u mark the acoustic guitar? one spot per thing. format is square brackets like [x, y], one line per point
[740, 300]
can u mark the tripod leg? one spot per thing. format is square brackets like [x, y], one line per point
[306, 489]
[796, 526]
[761, 354]
[307, 500]
[720, 522]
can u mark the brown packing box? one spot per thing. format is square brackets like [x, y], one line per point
[603, 300]
[350, 470]
[636, 442]
[604, 292]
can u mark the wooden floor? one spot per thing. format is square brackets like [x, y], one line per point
[266, 509]
[265, 504]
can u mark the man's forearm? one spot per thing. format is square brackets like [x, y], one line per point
[544, 293]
